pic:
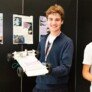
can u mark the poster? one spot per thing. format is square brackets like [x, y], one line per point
[22, 29]
[1, 28]
[43, 29]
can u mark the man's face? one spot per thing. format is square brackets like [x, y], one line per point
[54, 22]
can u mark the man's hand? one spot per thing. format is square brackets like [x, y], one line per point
[49, 68]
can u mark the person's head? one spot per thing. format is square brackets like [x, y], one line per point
[55, 18]
[55, 9]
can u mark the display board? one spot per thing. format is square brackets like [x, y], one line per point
[22, 29]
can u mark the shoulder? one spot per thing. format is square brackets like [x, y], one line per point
[87, 58]
[43, 37]
[65, 38]
[88, 50]
[89, 46]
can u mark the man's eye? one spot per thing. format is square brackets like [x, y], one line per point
[57, 19]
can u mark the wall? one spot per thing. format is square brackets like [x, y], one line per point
[9, 81]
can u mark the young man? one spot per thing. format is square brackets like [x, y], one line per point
[87, 64]
[58, 56]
